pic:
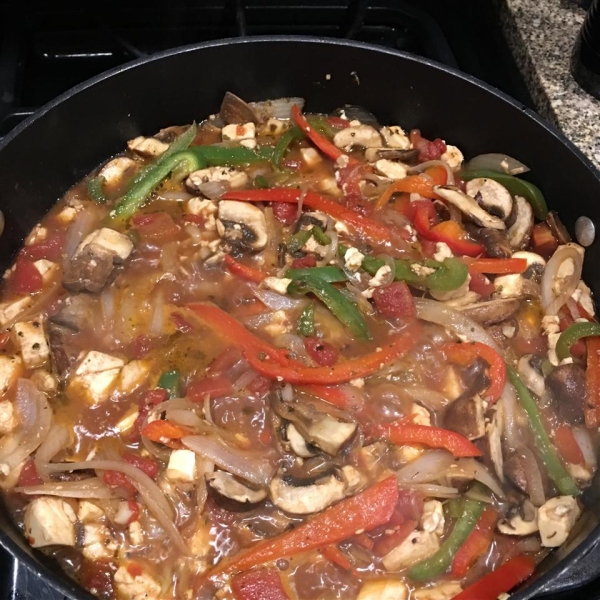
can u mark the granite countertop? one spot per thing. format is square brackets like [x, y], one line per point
[541, 34]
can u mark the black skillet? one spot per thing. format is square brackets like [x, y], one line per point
[57, 146]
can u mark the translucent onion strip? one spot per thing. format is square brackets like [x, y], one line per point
[426, 468]
[86, 488]
[551, 301]
[56, 440]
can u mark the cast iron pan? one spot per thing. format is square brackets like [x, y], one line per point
[60, 144]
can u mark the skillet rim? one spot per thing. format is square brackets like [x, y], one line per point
[61, 582]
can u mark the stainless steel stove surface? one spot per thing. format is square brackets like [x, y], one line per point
[45, 51]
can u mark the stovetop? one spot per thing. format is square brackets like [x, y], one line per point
[45, 51]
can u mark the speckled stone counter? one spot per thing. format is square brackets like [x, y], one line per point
[541, 34]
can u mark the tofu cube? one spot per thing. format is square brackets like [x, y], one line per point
[439, 591]
[310, 157]
[31, 339]
[11, 368]
[89, 512]
[417, 546]
[8, 418]
[127, 420]
[235, 132]
[136, 533]
[182, 466]
[432, 519]
[277, 284]
[95, 377]
[98, 542]
[67, 214]
[383, 589]
[49, 522]
[11, 310]
[133, 375]
[47, 268]
[138, 587]
[110, 240]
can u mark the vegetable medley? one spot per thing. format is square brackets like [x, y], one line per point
[295, 356]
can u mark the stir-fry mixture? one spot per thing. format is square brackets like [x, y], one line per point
[298, 356]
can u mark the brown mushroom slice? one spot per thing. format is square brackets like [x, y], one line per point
[297, 443]
[409, 157]
[466, 416]
[520, 521]
[557, 228]
[301, 496]
[235, 110]
[229, 486]
[469, 207]
[567, 384]
[529, 368]
[493, 311]
[494, 431]
[492, 196]
[242, 225]
[495, 241]
[520, 224]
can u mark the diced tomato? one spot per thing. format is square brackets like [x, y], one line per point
[321, 352]
[427, 150]
[134, 569]
[428, 248]
[156, 228]
[147, 465]
[227, 359]
[395, 537]
[305, 262]
[480, 284]
[284, 212]
[195, 219]
[338, 122]
[50, 248]
[134, 508]
[214, 387]
[395, 300]
[25, 279]
[568, 446]
[150, 399]
[118, 479]
[258, 584]
[349, 179]
[362, 539]
[537, 344]
[543, 241]
[180, 323]
[259, 385]
[141, 346]
[29, 475]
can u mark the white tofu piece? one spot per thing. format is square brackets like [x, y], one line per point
[359, 383]
[421, 270]
[383, 589]
[420, 415]
[432, 519]
[390, 169]
[275, 127]
[133, 375]
[67, 214]
[583, 295]
[37, 234]
[114, 170]
[124, 513]
[550, 324]
[182, 466]
[147, 146]
[136, 533]
[88, 511]
[127, 420]
[278, 324]
[417, 546]
[328, 185]
[11, 368]
[236, 132]
[380, 277]
[32, 343]
[140, 587]
[358, 135]
[50, 521]
[341, 228]
[453, 386]
[453, 157]
[98, 542]
[407, 453]
[11, 310]
[95, 377]
[353, 259]
[8, 418]
[556, 518]
[110, 240]
[438, 591]
[251, 144]
[395, 137]
[47, 268]
[310, 157]
[442, 252]
[277, 284]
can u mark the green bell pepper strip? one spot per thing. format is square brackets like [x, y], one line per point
[454, 508]
[515, 186]
[295, 243]
[556, 470]
[438, 563]
[170, 381]
[320, 236]
[215, 156]
[572, 334]
[95, 189]
[328, 274]
[261, 183]
[343, 309]
[319, 122]
[283, 143]
[306, 321]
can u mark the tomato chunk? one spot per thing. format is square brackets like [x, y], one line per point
[156, 228]
[147, 465]
[29, 475]
[285, 213]
[427, 150]
[321, 352]
[25, 279]
[258, 584]
[543, 241]
[395, 300]
[306, 261]
[50, 248]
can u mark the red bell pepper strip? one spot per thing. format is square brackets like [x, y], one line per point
[464, 354]
[159, 430]
[322, 143]
[592, 377]
[377, 232]
[413, 184]
[567, 445]
[477, 544]
[394, 537]
[365, 511]
[404, 432]
[213, 387]
[333, 554]
[331, 394]
[258, 584]
[480, 284]
[341, 372]
[244, 271]
[503, 579]
[499, 266]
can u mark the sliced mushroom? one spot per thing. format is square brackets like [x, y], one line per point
[521, 521]
[495, 241]
[520, 224]
[213, 182]
[76, 313]
[468, 206]
[529, 368]
[235, 110]
[476, 376]
[310, 219]
[466, 416]
[114, 171]
[524, 284]
[515, 471]
[494, 430]
[492, 196]
[243, 226]
[493, 311]
[556, 519]
[410, 156]
[557, 228]
[231, 487]
[303, 497]
[297, 443]
[567, 384]
[148, 147]
[361, 135]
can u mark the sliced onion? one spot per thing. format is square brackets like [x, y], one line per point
[301, 201]
[56, 440]
[249, 465]
[244, 380]
[551, 302]
[428, 467]
[35, 419]
[280, 108]
[107, 304]
[431, 399]
[157, 318]
[469, 467]
[177, 195]
[40, 304]
[332, 248]
[433, 491]
[497, 162]
[82, 225]
[582, 436]
[213, 189]
[363, 304]
[187, 418]
[434, 163]
[93, 487]
[151, 494]
[276, 301]
[533, 476]
[294, 344]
